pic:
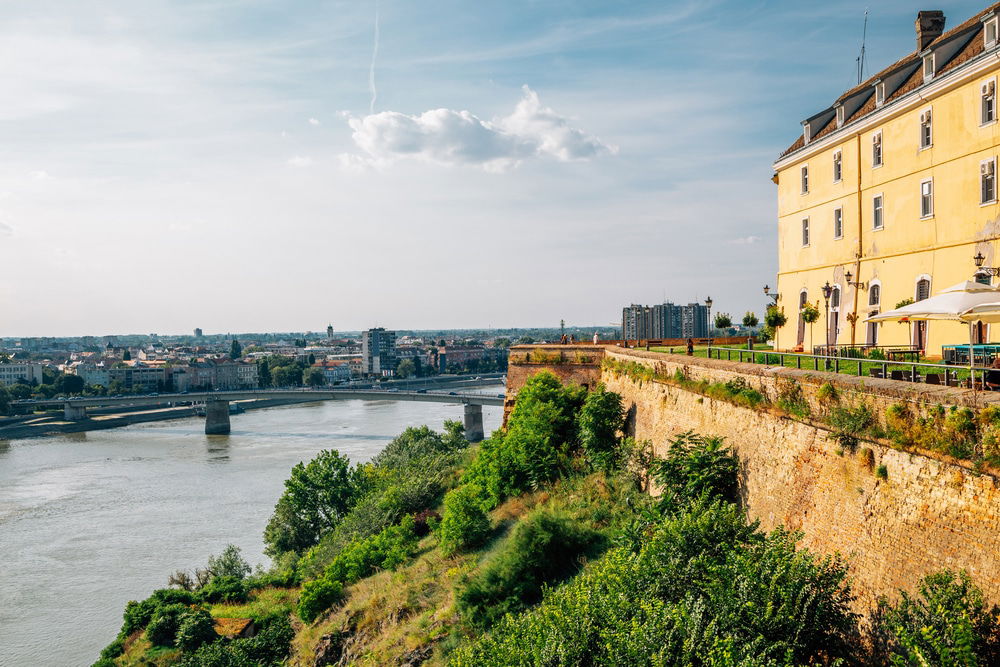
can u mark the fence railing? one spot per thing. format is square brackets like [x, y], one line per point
[908, 371]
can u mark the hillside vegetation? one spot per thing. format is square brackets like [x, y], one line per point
[540, 546]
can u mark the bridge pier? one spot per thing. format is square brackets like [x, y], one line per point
[473, 423]
[74, 412]
[217, 417]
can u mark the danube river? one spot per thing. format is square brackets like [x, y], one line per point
[91, 520]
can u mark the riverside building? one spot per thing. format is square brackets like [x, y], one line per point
[890, 192]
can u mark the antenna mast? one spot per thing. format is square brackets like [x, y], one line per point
[861, 57]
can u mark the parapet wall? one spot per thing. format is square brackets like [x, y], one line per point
[928, 513]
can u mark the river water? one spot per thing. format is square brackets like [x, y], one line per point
[91, 520]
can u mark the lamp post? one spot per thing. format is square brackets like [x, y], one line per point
[708, 303]
[774, 297]
[984, 271]
[827, 292]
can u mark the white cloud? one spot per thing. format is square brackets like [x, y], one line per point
[746, 240]
[300, 161]
[450, 137]
[39, 175]
[5, 229]
[314, 121]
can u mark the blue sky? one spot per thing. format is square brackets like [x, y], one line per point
[168, 165]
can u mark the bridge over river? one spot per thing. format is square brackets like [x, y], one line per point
[217, 403]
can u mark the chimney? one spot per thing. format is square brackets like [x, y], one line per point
[930, 25]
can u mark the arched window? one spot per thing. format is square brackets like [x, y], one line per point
[803, 300]
[835, 297]
[919, 329]
[874, 295]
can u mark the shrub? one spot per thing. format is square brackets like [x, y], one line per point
[792, 400]
[705, 584]
[113, 650]
[464, 523]
[545, 547]
[424, 521]
[269, 647]
[225, 589]
[387, 550]
[695, 465]
[882, 472]
[137, 615]
[318, 596]
[162, 628]
[827, 394]
[947, 622]
[851, 423]
[316, 497]
[196, 627]
[230, 563]
[540, 433]
[599, 422]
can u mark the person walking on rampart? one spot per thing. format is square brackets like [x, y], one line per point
[690, 347]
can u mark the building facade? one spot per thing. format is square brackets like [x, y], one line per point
[378, 352]
[665, 320]
[26, 373]
[889, 193]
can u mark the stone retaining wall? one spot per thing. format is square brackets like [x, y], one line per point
[929, 513]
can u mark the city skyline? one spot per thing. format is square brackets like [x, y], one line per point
[243, 167]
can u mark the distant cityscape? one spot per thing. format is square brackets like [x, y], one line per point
[665, 320]
[117, 364]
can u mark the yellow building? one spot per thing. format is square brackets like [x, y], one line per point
[889, 193]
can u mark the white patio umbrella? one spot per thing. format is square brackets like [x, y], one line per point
[951, 304]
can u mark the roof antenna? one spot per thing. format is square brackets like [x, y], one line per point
[861, 57]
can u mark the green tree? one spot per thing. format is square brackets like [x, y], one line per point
[313, 377]
[196, 627]
[723, 321]
[599, 423]
[126, 356]
[263, 374]
[69, 384]
[750, 319]
[406, 368]
[810, 314]
[4, 400]
[316, 497]
[464, 523]
[230, 563]
[312, 359]
[235, 350]
[502, 343]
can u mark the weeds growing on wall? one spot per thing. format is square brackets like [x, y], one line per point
[792, 400]
[956, 431]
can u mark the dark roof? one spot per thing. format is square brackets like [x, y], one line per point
[963, 43]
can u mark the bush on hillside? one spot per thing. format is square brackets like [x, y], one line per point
[541, 432]
[225, 589]
[195, 628]
[707, 588]
[317, 496]
[162, 628]
[270, 647]
[387, 551]
[410, 475]
[695, 465]
[317, 596]
[230, 563]
[947, 622]
[544, 548]
[599, 423]
[464, 523]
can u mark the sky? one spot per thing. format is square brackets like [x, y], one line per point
[260, 165]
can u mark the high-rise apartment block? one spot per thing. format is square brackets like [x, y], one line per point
[378, 352]
[664, 320]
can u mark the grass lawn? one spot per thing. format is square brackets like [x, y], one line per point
[764, 355]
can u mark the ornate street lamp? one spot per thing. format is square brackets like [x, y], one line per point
[859, 285]
[984, 270]
[708, 304]
[827, 292]
[767, 292]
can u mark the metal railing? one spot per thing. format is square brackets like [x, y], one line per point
[908, 371]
